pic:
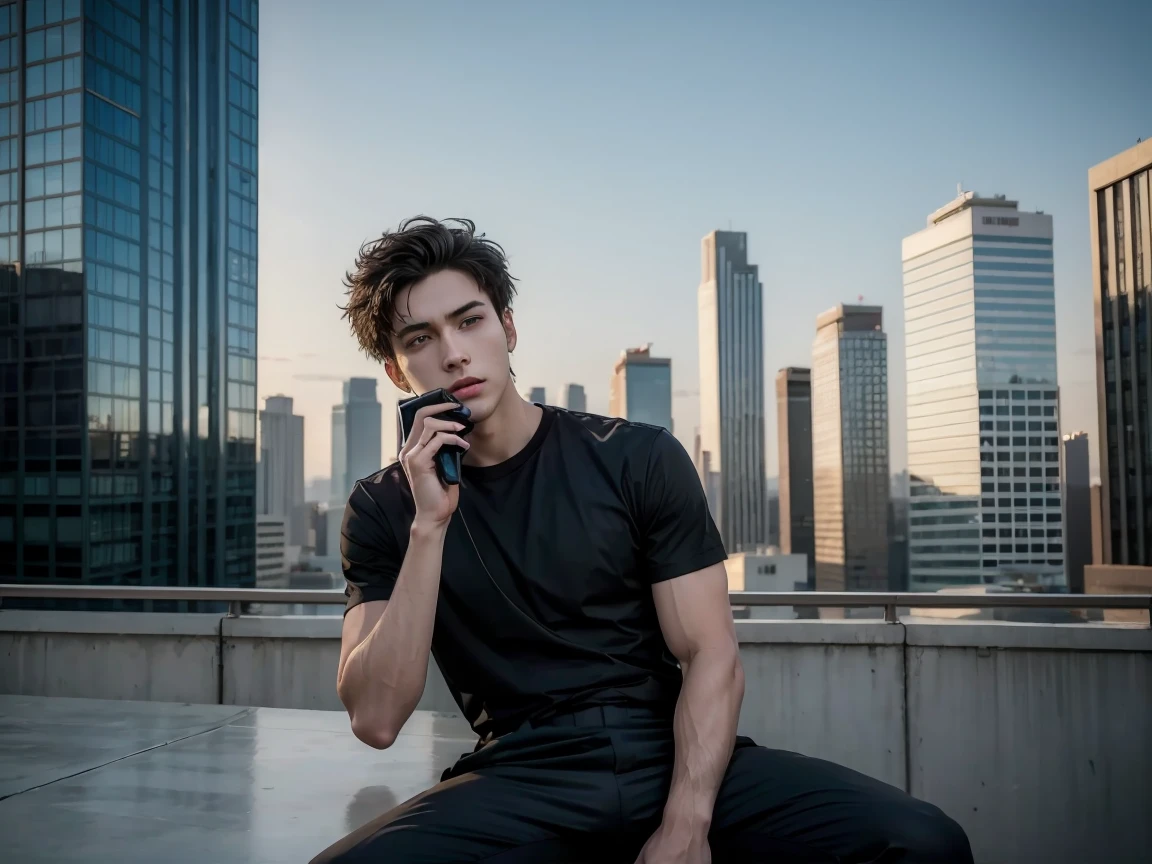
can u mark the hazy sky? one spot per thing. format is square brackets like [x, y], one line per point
[599, 142]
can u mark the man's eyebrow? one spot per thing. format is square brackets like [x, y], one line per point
[424, 325]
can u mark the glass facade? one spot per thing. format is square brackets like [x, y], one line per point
[850, 482]
[983, 407]
[127, 313]
[641, 388]
[731, 310]
[1122, 261]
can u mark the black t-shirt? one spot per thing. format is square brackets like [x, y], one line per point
[545, 590]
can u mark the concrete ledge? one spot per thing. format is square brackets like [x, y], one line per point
[1050, 637]
[283, 627]
[833, 632]
[109, 623]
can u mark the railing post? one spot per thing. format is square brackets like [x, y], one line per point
[234, 608]
[890, 613]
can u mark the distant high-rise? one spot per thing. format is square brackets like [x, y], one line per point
[574, 398]
[128, 292]
[850, 449]
[537, 395]
[282, 465]
[362, 429]
[641, 388]
[356, 437]
[794, 435]
[339, 487]
[1077, 510]
[731, 466]
[983, 405]
[1120, 194]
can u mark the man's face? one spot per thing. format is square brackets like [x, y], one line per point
[449, 335]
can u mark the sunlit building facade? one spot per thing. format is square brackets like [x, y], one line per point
[731, 453]
[128, 291]
[983, 403]
[850, 484]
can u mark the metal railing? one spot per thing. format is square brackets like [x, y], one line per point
[888, 601]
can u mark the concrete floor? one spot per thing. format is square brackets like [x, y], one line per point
[110, 781]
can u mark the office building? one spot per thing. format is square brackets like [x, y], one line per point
[356, 437]
[536, 395]
[1120, 194]
[641, 388]
[766, 569]
[850, 449]
[983, 405]
[281, 488]
[339, 487]
[574, 398]
[1077, 510]
[128, 292]
[271, 552]
[731, 319]
[794, 438]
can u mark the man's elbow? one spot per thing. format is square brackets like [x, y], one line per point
[375, 735]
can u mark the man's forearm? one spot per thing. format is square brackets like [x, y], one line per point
[385, 674]
[705, 731]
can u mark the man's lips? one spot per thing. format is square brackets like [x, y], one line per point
[466, 387]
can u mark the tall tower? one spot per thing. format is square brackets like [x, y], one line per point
[282, 464]
[983, 404]
[731, 316]
[362, 430]
[1120, 196]
[128, 292]
[850, 449]
[794, 434]
[574, 397]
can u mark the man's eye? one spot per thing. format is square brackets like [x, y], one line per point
[468, 322]
[416, 341]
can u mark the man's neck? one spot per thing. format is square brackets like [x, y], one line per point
[505, 433]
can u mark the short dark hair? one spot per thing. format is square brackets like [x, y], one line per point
[420, 247]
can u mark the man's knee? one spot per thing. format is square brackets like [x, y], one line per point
[929, 836]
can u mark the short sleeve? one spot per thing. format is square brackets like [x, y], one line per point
[678, 533]
[369, 553]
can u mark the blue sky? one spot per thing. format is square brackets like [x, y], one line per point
[599, 142]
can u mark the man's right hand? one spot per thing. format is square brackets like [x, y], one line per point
[435, 501]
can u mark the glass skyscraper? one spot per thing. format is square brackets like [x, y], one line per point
[641, 388]
[128, 291]
[850, 485]
[731, 458]
[983, 405]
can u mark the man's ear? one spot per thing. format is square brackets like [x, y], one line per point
[509, 329]
[397, 377]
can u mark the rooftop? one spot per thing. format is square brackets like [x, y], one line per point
[95, 780]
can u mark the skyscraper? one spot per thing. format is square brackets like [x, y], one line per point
[850, 481]
[1077, 510]
[340, 487]
[794, 435]
[731, 313]
[641, 387]
[128, 291]
[983, 406]
[537, 395]
[362, 431]
[1120, 195]
[281, 490]
[574, 397]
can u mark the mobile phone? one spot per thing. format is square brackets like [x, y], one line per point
[447, 460]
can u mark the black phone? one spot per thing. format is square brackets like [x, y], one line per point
[448, 458]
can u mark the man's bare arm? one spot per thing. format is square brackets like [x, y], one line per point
[385, 645]
[696, 620]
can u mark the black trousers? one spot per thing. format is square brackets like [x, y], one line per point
[590, 787]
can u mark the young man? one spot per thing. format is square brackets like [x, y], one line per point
[573, 593]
